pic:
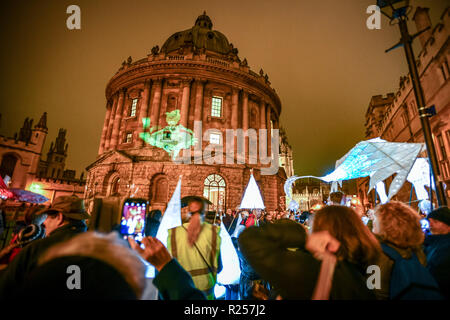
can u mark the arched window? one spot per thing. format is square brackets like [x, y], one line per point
[8, 165]
[160, 189]
[215, 191]
[115, 186]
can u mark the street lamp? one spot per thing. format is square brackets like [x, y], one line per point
[397, 10]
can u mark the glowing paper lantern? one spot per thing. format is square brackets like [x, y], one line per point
[171, 219]
[231, 270]
[252, 196]
[377, 159]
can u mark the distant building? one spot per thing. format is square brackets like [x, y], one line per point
[395, 116]
[309, 191]
[22, 161]
[285, 156]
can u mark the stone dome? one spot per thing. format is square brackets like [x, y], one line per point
[200, 36]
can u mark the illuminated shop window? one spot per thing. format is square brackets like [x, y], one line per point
[216, 107]
[133, 108]
[214, 189]
[214, 138]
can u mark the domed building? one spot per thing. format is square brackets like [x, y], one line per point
[195, 88]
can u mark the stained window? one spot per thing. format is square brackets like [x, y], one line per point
[214, 190]
[216, 106]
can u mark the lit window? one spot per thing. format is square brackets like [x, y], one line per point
[214, 189]
[216, 107]
[133, 108]
[214, 138]
[129, 137]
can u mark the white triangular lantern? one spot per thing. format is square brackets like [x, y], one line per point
[171, 219]
[231, 270]
[252, 196]
[172, 215]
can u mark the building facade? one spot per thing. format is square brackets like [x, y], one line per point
[194, 86]
[394, 117]
[23, 165]
[286, 158]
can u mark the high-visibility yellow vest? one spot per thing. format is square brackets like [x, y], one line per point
[208, 243]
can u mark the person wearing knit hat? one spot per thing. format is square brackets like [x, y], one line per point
[440, 221]
[437, 248]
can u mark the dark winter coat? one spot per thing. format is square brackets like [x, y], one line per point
[14, 275]
[403, 274]
[277, 253]
[437, 249]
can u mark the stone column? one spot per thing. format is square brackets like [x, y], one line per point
[143, 113]
[156, 103]
[245, 118]
[262, 122]
[118, 119]
[125, 114]
[199, 100]
[105, 128]
[262, 113]
[234, 108]
[185, 102]
[110, 123]
[269, 131]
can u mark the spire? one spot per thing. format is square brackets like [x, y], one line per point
[25, 132]
[60, 144]
[42, 124]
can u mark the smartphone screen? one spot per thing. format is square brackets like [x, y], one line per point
[133, 219]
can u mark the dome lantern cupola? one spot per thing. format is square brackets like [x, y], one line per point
[200, 36]
[203, 21]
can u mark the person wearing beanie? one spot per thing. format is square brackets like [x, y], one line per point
[437, 248]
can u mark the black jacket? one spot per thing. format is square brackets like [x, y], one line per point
[13, 276]
[437, 249]
[277, 253]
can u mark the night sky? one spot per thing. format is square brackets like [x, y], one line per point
[322, 60]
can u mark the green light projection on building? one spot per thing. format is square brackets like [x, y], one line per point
[172, 138]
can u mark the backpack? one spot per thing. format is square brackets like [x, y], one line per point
[410, 280]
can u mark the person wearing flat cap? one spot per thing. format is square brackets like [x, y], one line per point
[64, 218]
[437, 248]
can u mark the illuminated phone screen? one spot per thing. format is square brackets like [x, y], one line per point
[133, 220]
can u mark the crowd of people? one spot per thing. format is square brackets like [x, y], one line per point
[382, 254]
